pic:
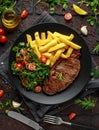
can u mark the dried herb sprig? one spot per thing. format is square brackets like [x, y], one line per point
[86, 103]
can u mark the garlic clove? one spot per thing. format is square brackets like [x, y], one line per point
[84, 30]
[16, 104]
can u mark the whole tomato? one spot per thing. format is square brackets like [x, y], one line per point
[3, 39]
[2, 31]
[43, 59]
[24, 14]
[1, 92]
[18, 66]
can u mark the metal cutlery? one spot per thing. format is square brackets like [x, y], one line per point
[25, 120]
[58, 121]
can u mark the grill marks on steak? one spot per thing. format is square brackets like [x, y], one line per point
[69, 68]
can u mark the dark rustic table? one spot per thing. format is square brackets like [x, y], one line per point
[86, 117]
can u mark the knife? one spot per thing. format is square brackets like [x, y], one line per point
[24, 119]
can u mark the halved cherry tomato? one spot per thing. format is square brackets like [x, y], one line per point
[18, 66]
[72, 115]
[2, 31]
[1, 92]
[68, 16]
[43, 59]
[3, 39]
[37, 89]
[24, 14]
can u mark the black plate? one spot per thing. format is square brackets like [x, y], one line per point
[77, 85]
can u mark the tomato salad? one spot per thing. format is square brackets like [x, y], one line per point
[31, 71]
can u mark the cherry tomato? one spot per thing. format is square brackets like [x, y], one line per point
[43, 59]
[68, 16]
[24, 14]
[38, 89]
[1, 93]
[72, 115]
[3, 39]
[18, 66]
[2, 31]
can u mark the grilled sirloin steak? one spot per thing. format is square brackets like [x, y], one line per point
[62, 74]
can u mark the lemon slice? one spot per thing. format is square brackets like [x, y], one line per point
[79, 10]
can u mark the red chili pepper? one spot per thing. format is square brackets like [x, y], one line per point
[72, 115]
[24, 14]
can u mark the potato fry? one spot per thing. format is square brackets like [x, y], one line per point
[50, 34]
[37, 39]
[48, 62]
[44, 42]
[29, 38]
[58, 46]
[56, 56]
[47, 54]
[32, 43]
[70, 43]
[43, 36]
[68, 53]
[52, 45]
[62, 35]
[36, 51]
[47, 46]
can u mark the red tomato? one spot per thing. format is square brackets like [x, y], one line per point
[68, 16]
[43, 59]
[1, 93]
[2, 31]
[3, 39]
[72, 115]
[24, 14]
[19, 66]
[37, 89]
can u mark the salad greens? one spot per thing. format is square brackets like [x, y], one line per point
[52, 3]
[6, 4]
[94, 6]
[28, 67]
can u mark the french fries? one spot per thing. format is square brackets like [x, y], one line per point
[52, 45]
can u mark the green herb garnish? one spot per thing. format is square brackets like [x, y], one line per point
[95, 73]
[94, 6]
[52, 4]
[8, 102]
[1, 105]
[6, 4]
[86, 103]
[60, 76]
[96, 49]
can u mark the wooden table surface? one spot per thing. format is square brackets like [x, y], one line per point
[87, 117]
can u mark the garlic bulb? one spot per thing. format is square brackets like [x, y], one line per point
[84, 30]
[16, 104]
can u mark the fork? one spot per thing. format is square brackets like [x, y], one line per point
[58, 121]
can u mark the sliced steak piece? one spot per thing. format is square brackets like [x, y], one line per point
[62, 74]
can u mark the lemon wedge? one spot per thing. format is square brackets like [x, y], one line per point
[79, 10]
